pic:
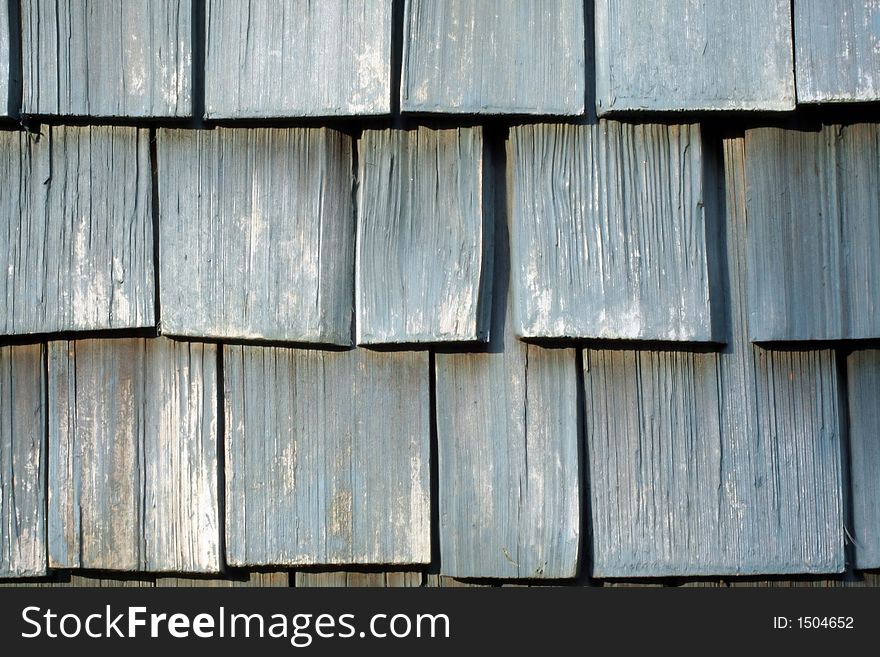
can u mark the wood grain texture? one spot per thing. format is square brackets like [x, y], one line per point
[254, 579]
[22, 462]
[351, 579]
[837, 47]
[715, 463]
[613, 232]
[5, 71]
[422, 273]
[494, 57]
[685, 55]
[813, 202]
[77, 250]
[863, 384]
[507, 435]
[257, 234]
[107, 58]
[327, 457]
[277, 58]
[133, 455]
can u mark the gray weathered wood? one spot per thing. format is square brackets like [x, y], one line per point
[494, 57]
[423, 274]
[22, 462]
[76, 250]
[837, 46]
[507, 435]
[402, 579]
[5, 77]
[133, 455]
[813, 202]
[327, 457]
[107, 58]
[715, 463]
[136, 582]
[256, 234]
[681, 55]
[613, 232]
[276, 58]
[863, 378]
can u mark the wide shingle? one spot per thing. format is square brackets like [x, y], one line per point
[614, 232]
[22, 462]
[107, 58]
[838, 50]
[256, 234]
[715, 464]
[814, 232]
[133, 455]
[327, 456]
[76, 252]
[685, 55]
[276, 58]
[422, 237]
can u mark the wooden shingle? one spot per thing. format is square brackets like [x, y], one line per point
[614, 232]
[256, 234]
[77, 250]
[22, 462]
[107, 58]
[715, 463]
[494, 57]
[5, 52]
[327, 456]
[277, 58]
[686, 55]
[133, 455]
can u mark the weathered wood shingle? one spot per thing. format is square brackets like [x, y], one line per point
[107, 58]
[494, 57]
[76, 250]
[613, 232]
[813, 206]
[256, 234]
[422, 237]
[837, 46]
[863, 387]
[5, 71]
[276, 58]
[22, 462]
[133, 455]
[714, 464]
[327, 456]
[672, 55]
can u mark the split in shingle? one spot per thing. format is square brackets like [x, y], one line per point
[837, 47]
[76, 251]
[814, 232]
[494, 57]
[133, 455]
[685, 55]
[863, 378]
[107, 58]
[278, 58]
[423, 238]
[22, 462]
[614, 232]
[327, 456]
[256, 234]
[715, 463]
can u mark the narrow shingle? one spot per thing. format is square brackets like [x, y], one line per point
[133, 470]
[107, 58]
[685, 55]
[494, 57]
[277, 58]
[327, 456]
[715, 463]
[422, 237]
[77, 250]
[813, 202]
[22, 462]
[613, 232]
[837, 46]
[256, 234]
[5, 52]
